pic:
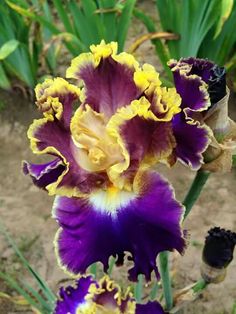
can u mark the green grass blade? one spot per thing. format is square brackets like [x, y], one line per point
[42, 284]
[14, 285]
[47, 308]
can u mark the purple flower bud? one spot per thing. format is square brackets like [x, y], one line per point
[219, 247]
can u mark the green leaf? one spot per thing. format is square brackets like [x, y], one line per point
[47, 307]
[8, 48]
[124, 22]
[226, 9]
[108, 16]
[62, 13]
[4, 82]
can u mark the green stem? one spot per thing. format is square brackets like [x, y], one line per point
[199, 286]
[165, 277]
[195, 190]
[190, 199]
[154, 290]
[138, 291]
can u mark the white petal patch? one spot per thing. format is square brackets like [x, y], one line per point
[111, 200]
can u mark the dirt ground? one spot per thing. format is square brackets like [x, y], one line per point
[26, 211]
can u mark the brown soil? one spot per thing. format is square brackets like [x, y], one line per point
[25, 211]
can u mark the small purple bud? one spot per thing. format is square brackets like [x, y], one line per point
[219, 247]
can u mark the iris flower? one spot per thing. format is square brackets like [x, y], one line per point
[194, 76]
[90, 296]
[106, 134]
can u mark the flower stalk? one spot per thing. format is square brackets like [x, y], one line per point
[138, 290]
[190, 199]
[195, 190]
[166, 280]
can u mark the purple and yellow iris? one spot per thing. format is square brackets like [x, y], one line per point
[109, 200]
[90, 297]
[193, 76]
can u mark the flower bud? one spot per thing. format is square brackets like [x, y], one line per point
[217, 254]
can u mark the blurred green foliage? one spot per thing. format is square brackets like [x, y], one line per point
[32, 33]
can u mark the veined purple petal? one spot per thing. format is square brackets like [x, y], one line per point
[146, 138]
[109, 86]
[191, 141]
[149, 308]
[143, 223]
[44, 174]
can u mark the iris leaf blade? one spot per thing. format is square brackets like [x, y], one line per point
[42, 284]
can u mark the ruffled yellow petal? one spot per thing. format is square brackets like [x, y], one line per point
[103, 50]
[55, 88]
[126, 59]
[146, 78]
[50, 95]
[95, 149]
[165, 103]
[83, 60]
[106, 285]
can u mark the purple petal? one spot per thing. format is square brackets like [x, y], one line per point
[191, 141]
[200, 67]
[52, 138]
[149, 308]
[109, 86]
[146, 138]
[44, 174]
[212, 74]
[71, 297]
[191, 87]
[143, 224]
